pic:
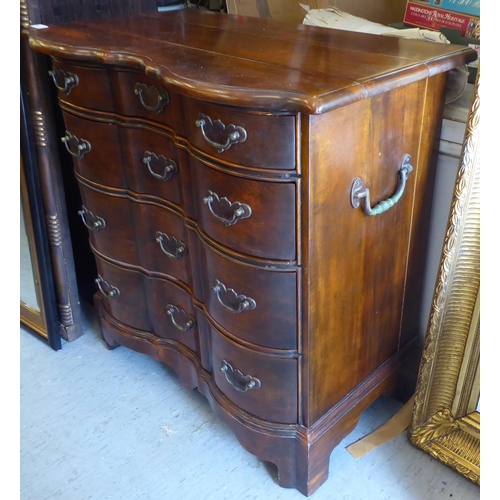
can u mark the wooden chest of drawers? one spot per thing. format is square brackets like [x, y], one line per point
[226, 167]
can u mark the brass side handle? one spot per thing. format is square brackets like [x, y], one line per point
[91, 221]
[152, 98]
[166, 167]
[231, 300]
[64, 81]
[109, 291]
[170, 246]
[180, 318]
[212, 129]
[240, 382]
[226, 211]
[75, 146]
[361, 194]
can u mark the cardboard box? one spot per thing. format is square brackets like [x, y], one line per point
[470, 7]
[422, 16]
[377, 11]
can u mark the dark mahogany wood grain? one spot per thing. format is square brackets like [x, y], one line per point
[273, 322]
[115, 238]
[130, 305]
[357, 263]
[282, 72]
[269, 232]
[104, 151]
[270, 142]
[276, 399]
[331, 295]
[89, 77]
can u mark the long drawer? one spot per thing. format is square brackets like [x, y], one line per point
[253, 217]
[257, 140]
[261, 384]
[256, 304]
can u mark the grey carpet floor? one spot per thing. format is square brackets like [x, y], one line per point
[99, 424]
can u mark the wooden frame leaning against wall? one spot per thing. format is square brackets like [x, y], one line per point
[446, 419]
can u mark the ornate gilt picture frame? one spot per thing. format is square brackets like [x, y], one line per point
[446, 419]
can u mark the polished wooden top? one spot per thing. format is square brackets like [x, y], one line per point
[262, 64]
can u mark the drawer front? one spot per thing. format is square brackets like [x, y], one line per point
[142, 160]
[152, 161]
[218, 131]
[172, 313]
[162, 240]
[266, 224]
[124, 295]
[83, 86]
[109, 221]
[137, 95]
[140, 234]
[95, 148]
[256, 305]
[260, 384]
[149, 304]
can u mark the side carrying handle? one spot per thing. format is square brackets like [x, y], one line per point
[361, 194]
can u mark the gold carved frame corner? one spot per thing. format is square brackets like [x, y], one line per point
[445, 422]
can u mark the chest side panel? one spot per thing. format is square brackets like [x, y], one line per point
[356, 263]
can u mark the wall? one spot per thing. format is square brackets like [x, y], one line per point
[380, 11]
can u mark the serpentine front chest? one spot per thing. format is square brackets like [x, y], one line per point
[257, 197]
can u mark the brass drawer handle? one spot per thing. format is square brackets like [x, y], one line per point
[232, 301]
[232, 212]
[76, 147]
[361, 194]
[233, 133]
[167, 166]
[170, 246]
[237, 380]
[152, 99]
[184, 321]
[65, 82]
[109, 291]
[91, 221]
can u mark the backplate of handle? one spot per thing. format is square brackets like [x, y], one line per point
[109, 291]
[152, 98]
[230, 134]
[91, 221]
[75, 146]
[64, 81]
[170, 246]
[166, 166]
[180, 318]
[226, 211]
[360, 194]
[231, 300]
[240, 382]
